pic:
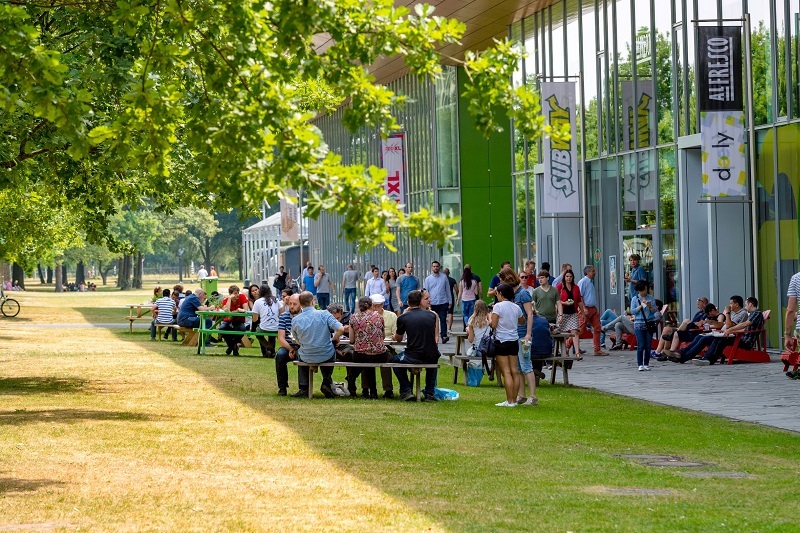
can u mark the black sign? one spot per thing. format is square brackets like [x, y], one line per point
[719, 68]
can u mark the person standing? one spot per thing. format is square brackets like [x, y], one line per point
[325, 287]
[213, 272]
[308, 281]
[468, 291]
[569, 305]
[349, 286]
[505, 318]
[280, 280]
[643, 308]
[545, 297]
[394, 304]
[419, 328]
[202, 273]
[791, 321]
[438, 287]
[495, 281]
[590, 315]
[376, 284]
[316, 332]
[453, 292]
[405, 284]
[266, 314]
[637, 274]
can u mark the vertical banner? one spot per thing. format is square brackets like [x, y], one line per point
[393, 159]
[289, 218]
[720, 103]
[560, 157]
[640, 132]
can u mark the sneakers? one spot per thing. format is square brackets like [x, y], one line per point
[430, 398]
[407, 396]
[521, 399]
[282, 392]
[505, 404]
[701, 362]
[641, 368]
[532, 401]
[302, 393]
[388, 394]
[539, 374]
[646, 368]
[616, 347]
[326, 390]
[445, 339]
[601, 352]
[663, 357]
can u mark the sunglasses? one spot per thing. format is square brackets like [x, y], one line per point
[523, 277]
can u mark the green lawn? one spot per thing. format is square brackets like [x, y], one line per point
[104, 430]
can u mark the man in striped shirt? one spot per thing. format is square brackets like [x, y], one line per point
[164, 310]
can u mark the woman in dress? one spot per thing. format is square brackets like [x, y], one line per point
[394, 306]
[366, 332]
[505, 317]
[643, 308]
[468, 291]
[569, 304]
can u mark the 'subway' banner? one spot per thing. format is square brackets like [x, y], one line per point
[640, 131]
[560, 157]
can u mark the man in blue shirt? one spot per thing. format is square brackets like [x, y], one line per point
[187, 316]
[495, 281]
[592, 316]
[312, 330]
[308, 281]
[405, 284]
[637, 273]
[438, 286]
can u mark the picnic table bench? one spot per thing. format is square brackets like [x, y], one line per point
[556, 361]
[141, 311]
[415, 368]
[204, 333]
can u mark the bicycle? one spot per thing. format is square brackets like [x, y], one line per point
[8, 306]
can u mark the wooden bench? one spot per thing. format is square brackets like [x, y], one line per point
[204, 333]
[141, 311]
[167, 327]
[555, 361]
[415, 368]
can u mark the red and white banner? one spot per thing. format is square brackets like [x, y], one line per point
[289, 219]
[393, 159]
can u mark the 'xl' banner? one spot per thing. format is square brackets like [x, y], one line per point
[394, 161]
[724, 158]
[640, 131]
[560, 156]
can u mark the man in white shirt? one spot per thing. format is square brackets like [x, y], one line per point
[202, 273]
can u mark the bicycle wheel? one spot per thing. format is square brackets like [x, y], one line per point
[10, 307]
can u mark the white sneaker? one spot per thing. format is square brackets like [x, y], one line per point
[641, 368]
[532, 401]
[506, 404]
[646, 367]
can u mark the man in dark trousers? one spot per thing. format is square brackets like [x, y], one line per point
[419, 327]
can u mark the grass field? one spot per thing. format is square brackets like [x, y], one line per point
[103, 430]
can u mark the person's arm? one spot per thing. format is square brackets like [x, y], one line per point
[529, 310]
[480, 289]
[738, 328]
[789, 321]
[282, 340]
[494, 319]
[491, 292]
[470, 333]
[727, 314]
[458, 293]
[397, 290]
[436, 330]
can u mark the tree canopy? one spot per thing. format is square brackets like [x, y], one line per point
[104, 103]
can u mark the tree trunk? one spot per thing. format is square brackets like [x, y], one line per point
[104, 271]
[59, 279]
[18, 275]
[125, 272]
[49, 275]
[80, 273]
[41, 272]
[137, 272]
[64, 278]
[207, 253]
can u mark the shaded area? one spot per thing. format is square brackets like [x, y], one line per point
[13, 484]
[41, 385]
[69, 416]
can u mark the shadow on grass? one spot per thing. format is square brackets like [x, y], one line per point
[13, 484]
[41, 385]
[10, 321]
[68, 416]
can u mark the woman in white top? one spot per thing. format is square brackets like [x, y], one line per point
[477, 326]
[504, 319]
[266, 312]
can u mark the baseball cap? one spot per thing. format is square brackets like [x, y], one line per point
[377, 299]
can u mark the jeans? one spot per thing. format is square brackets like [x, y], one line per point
[323, 299]
[402, 373]
[715, 350]
[326, 371]
[350, 300]
[466, 309]
[607, 316]
[621, 324]
[232, 340]
[267, 344]
[441, 310]
[194, 323]
[282, 368]
[643, 341]
[697, 346]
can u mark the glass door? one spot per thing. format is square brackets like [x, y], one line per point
[645, 245]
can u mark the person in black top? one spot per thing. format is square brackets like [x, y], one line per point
[453, 293]
[419, 327]
[280, 280]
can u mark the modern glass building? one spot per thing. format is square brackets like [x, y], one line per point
[610, 49]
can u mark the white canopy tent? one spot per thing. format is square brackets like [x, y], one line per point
[262, 246]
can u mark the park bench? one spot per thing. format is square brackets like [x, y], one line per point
[556, 361]
[204, 334]
[167, 327]
[415, 368]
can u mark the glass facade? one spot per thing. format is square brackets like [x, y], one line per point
[619, 50]
[430, 122]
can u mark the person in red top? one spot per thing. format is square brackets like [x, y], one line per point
[235, 302]
[569, 303]
[366, 333]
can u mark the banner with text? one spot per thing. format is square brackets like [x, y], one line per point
[393, 159]
[560, 157]
[639, 110]
[720, 103]
[724, 156]
[289, 219]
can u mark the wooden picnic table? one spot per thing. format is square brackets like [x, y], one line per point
[141, 311]
[460, 337]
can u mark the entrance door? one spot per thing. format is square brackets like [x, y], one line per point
[646, 246]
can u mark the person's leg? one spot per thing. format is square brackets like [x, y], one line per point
[619, 330]
[226, 326]
[263, 343]
[431, 375]
[153, 329]
[641, 346]
[576, 343]
[402, 375]
[467, 309]
[607, 316]
[302, 380]
[694, 349]
[282, 369]
[450, 311]
[504, 366]
[324, 299]
[515, 375]
[441, 310]
[387, 383]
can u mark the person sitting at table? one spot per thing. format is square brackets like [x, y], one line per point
[733, 315]
[266, 312]
[366, 334]
[235, 303]
[317, 332]
[288, 348]
[164, 311]
[187, 316]
[389, 329]
[419, 327]
[477, 325]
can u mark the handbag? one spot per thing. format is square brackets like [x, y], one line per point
[488, 348]
[651, 325]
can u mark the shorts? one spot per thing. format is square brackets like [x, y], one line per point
[451, 308]
[507, 348]
[524, 364]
